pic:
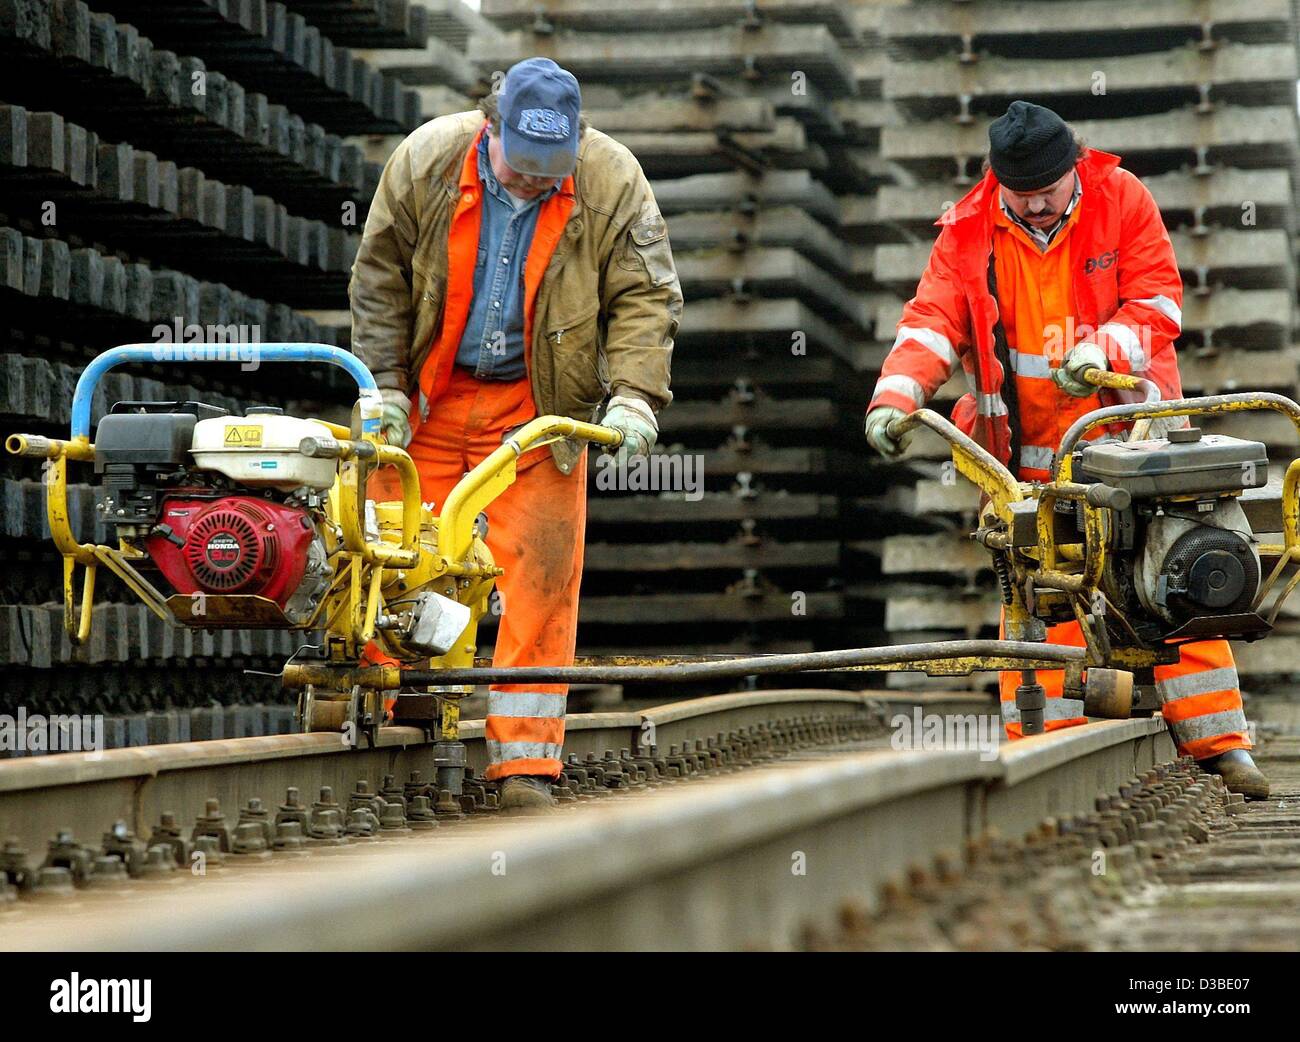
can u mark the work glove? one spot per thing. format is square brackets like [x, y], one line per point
[1069, 377]
[394, 422]
[879, 438]
[635, 420]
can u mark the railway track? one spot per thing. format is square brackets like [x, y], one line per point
[773, 819]
[1170, 862]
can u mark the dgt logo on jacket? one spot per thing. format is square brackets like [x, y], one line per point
[1100, 263]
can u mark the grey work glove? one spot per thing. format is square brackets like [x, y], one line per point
[635, 420]
[879, 438]
[394, 421]
[1069, 377]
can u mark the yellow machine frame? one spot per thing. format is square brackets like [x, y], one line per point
[1055, 573]
[413, 549]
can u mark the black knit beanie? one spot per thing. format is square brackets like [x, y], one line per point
[1030, 147]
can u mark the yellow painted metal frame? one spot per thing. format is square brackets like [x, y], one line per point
[364, 565]
[1288, 551]
[1074, 570]
[497, 473]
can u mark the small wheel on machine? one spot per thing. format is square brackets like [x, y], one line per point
[317, 714]
[1108, 693]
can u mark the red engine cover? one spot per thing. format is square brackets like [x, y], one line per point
[236, 544]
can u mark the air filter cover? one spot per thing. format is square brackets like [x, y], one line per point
[1185, 463]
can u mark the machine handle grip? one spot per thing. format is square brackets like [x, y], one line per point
[37, 446]
[321, 447]
[325, 446]
[1108, 496]
[31, 445]
[1121, 382]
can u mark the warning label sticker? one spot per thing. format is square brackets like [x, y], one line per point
[244, 435]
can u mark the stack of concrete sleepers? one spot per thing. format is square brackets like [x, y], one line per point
[438, 72]
[170, 171]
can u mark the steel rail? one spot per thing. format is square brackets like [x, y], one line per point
[88, 792]
[742, 860]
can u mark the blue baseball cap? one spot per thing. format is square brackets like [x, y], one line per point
[539, 105]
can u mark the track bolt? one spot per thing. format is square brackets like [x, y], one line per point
[393, 820]
[168, 831]
[420, 816]
[362, 823]
[363, 797]
[325, 827]
[254, 812]
[289, 836]
[448, 807]
[158, 861]
[209, 848]
[66, 852]
[13, 863]
[109, 873]
[417, 786]
[250, 841]
[53, 882]
[392, 792]
[213, 823]
[294, 811]
[120, 842]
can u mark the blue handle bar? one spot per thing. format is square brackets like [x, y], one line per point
[161, 352]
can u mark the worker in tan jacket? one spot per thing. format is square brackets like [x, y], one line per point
[515, 264]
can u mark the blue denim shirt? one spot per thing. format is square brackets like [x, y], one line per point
[493, 342]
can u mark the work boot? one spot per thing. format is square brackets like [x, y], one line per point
[1239, 773]
[526, 794]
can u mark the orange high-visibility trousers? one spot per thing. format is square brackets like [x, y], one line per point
[1200, 696]
[536, 530]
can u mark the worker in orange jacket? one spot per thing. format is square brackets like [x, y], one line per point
[514, 264]
[1057, 261]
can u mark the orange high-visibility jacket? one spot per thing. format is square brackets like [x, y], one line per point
[1127, 297]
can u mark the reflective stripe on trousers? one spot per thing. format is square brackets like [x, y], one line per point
[523, 711]
[1037, 457]
[503, 754]
[1200, 696]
